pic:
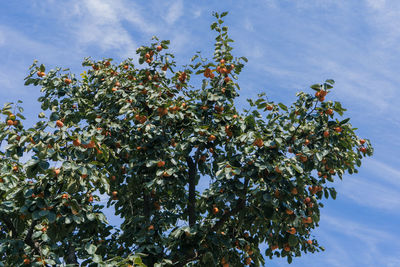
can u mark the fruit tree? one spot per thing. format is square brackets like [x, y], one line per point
[148, 137]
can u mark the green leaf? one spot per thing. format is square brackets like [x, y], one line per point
[316, 86]
[293, 241]
[223, 14]
[297, 168]
[282, 106]
[90, 248]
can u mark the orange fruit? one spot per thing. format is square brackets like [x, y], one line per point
[211, 138]
[248, 261]
[338, 129]
[362, 141]
[161, 164]
[292, 231]
[10, 122]
[363, 149]
[309, 242]
[286, 247]
[307, 200]
[56, 171]
[277, 169]
[159, 48]
[269, 107]
[90, 199]
[151, 227]
[289, 212]
[294, 191]
[215, 210]
[59, 123]
[67, 81]
[76, 142]
[65, 196]
[329, 111]
[27, 261]
[259, 142]
[326, 134]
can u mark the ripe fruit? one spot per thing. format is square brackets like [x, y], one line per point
[292, 231]
[126, 67]
[40, 74]
[307, 200]
[307, 220]
[159, 48]
[76, 142]
[269, 107]
[211, 138]
[65, 196]
[273, 247]
[277, 169]
[306, 142]
[114, 194]
[338, 129]
[161, 164]
[329, 111]
[294, 191]
[67, 81]
[309, 242]
[151, 227]
[56, 171]
[227, 79]
[165, 174]
[84, 176]
[90, 199]
[113, 178]
[362, 141]
[59, 123]
[248, 261]
[27, 261]
[10, 122]
[215, 210]
[289, 212]
[326, 134]
[222, 61]
[259, 142]
[114, 89]
[286, 247]
[363, 149]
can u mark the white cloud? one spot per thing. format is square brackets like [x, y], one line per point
[371, 194]
[175, 11]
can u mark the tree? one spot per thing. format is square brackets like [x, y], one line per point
[145, 137]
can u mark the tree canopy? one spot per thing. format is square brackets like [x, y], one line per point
[143, 136]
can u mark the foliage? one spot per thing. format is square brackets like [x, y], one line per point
[146, 138]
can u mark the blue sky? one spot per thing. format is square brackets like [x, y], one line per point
[290, 45]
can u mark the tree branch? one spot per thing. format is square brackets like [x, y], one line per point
[71, 256]
[192, 164]
[28, 239]
[240, 204]
[10, 226]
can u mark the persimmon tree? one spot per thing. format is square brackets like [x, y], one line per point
[144, 136]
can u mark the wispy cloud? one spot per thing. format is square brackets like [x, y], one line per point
[174, 12]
